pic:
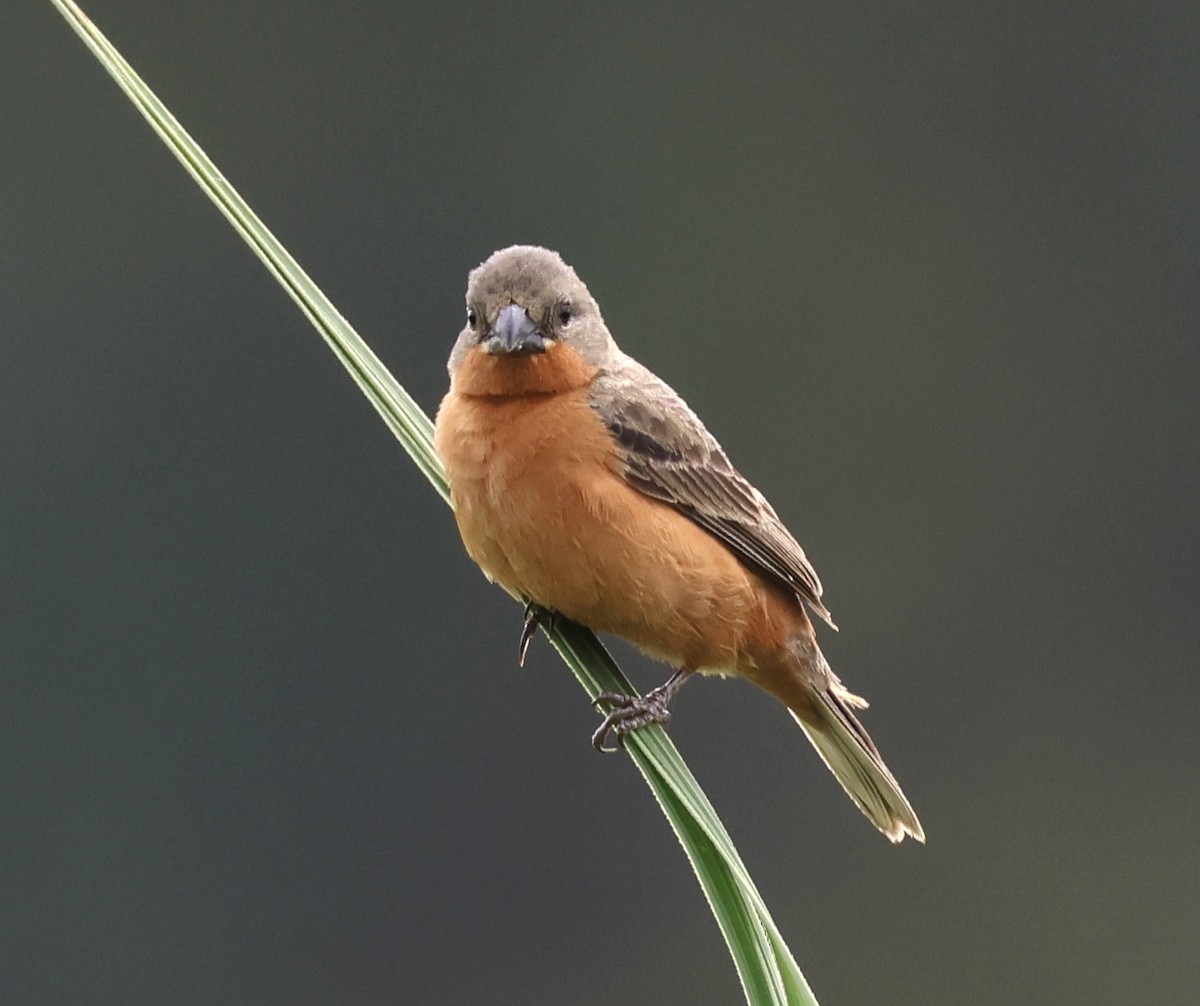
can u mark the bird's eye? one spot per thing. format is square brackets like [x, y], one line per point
[564, 314]
[472, 317]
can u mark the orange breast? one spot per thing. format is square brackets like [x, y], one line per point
[543, 509]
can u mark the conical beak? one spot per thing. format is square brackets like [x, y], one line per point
[514, 334]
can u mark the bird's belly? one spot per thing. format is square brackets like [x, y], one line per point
[543, 508]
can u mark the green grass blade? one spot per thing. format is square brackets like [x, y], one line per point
[765, 965]
[672, 781]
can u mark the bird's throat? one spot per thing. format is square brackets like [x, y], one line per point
[553, 372]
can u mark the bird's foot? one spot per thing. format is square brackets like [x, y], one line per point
[629, 713]
[632, 712]
[535, 615]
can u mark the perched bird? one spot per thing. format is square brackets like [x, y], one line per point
[584, 484]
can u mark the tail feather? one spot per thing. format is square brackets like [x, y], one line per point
[844, 746]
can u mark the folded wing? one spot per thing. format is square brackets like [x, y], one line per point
[670, 456]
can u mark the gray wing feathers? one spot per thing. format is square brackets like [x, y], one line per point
[670, 456]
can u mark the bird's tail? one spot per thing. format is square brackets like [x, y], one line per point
[827, 718]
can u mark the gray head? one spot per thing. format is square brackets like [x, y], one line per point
[524, 299]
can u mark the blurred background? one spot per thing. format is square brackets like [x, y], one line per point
[930, 274]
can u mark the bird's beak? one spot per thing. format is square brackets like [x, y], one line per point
[514, 334]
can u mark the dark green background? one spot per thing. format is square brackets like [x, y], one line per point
[930, 273]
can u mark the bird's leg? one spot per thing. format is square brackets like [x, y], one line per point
[535, 615]
[631, 712]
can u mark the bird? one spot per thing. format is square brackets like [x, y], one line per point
[584, 484]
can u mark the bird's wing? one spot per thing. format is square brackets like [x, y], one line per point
[669, 455]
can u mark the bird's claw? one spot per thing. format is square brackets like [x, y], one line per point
[535, 615]
[629, 713]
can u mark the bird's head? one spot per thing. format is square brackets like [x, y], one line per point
[531, 315]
